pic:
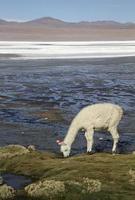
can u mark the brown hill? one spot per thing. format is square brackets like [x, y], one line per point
[50, 29]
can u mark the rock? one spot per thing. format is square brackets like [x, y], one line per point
[100, 138]
[52, 115]
[31, 148]
[6, 192]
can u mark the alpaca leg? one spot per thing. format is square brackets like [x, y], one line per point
[89, 138]
[115, 136]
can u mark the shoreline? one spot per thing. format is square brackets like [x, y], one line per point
[66, 50]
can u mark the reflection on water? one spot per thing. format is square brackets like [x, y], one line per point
[31, 92]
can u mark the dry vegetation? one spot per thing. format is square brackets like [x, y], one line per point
[6, 192]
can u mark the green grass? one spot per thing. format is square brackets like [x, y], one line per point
[111, 170]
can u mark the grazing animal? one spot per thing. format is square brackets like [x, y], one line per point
[93, 117]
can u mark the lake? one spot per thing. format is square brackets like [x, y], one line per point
[39, 98]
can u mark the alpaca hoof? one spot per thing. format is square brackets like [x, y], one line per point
[90, 152]
[113, 153]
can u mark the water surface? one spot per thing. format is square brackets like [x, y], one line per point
[39, 98]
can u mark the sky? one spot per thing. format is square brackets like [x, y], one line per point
[68, 10]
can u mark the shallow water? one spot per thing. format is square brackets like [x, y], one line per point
[16, 181]
[29, 88]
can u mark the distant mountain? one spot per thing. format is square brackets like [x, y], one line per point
[106, 24]
[3, 21]
[46, 20]
[51, 29]
[100, 22]
[56, 23]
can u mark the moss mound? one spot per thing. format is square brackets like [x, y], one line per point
[12, 150]
[52, 189]
[91, 185]
[48, 188]
[6, 192]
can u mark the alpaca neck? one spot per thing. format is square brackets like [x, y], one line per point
[71, 134]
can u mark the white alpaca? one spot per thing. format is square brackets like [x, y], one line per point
[90, 118]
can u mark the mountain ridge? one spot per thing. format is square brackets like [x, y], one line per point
[51, 29]
[44, 20]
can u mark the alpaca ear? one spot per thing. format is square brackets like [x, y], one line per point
[59, 142]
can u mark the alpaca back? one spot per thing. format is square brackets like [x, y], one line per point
[101, 115]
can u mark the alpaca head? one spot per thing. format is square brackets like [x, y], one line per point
[64, 148]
